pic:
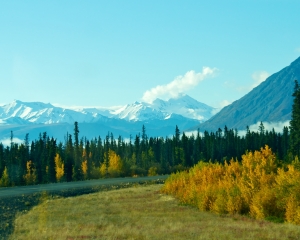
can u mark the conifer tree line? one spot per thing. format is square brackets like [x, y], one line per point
[261, 185]
[45, 160]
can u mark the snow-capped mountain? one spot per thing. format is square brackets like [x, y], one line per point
[159, 117]
[183, 105]
[37, 112]
[18, 112]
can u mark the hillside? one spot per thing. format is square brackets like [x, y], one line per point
[271, 101]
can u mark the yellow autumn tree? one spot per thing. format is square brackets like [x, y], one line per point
[287, 190]
[258, 176]
[152, 171]
[84, 168]
[103, 170]
[115, 166]
[4, 181]
[104, 166]
[258, 186]
[59, 167]
[30, 176]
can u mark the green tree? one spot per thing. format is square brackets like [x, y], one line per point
[51, 153]
[295, 123]
[77, 174]
[285, 142]
[69, 158]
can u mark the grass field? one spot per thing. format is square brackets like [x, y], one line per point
[139, 212]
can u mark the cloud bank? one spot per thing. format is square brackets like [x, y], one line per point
[259, 77]
[6, 141]
[178, 85]
[278, 127]
[221, 105]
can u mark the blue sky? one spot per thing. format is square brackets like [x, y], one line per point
[106, 53]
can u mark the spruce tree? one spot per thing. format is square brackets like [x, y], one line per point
[77, 174]
[177, 136]
[2, 160]
[69, 158]
[88, 159]
[295, 122]
[285, 142]
[144, 139]
[51, 153]
[106, 154]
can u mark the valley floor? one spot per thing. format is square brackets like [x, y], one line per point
[139, 212]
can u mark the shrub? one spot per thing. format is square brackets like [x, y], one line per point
[257, 186]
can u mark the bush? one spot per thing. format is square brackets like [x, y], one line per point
[257, 186]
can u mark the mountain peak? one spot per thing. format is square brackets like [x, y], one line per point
[185, 106]
[296, 62]
[30, 104]
[182, 97]
[38, 112]
[271, 101]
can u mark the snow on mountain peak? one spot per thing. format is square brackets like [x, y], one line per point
[38, 112]
[186, 106]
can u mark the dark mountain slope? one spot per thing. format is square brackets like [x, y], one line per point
[271, 101]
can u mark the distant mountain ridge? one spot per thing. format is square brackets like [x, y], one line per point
[271, 101]
[159, 117]
[46, 113]
[183, 105]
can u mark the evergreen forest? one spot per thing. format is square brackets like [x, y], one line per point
[44, 160]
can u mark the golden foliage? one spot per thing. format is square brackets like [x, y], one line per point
[114, 167]
[292, 213]
[84, 168]
[152, 171]
[59, 167]
[4, 181]
[256, 186]
[115, 164]
[30, 176]
[103, 170]
[95, 172]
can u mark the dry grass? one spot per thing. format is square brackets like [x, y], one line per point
[138, 213]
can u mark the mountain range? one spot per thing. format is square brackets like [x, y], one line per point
[271, 102]
[159, 117]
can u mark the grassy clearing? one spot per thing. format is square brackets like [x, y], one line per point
[138, 213]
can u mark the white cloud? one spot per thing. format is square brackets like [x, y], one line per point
[224, 103]
[6, 141]
[221, 105]
[178, 85]
[259, 77]
[215, 111]
[79, 108]
[189, 134]
[278, 127]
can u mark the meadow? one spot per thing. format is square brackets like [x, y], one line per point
[139, 212]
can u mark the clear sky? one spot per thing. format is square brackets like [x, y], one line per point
[106, 53]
